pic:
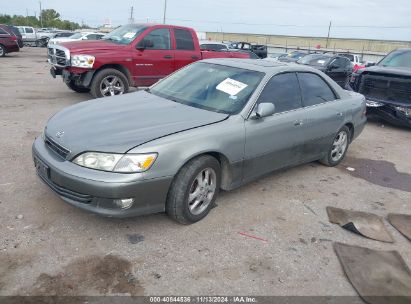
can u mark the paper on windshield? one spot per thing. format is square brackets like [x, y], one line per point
[231, 87]
[129, 35]
[321, 61]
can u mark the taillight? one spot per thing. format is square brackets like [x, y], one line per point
[14, 38]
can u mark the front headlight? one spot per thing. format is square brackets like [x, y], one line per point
[123, 163]
[82, 61]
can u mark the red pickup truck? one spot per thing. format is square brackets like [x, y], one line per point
[132, 55]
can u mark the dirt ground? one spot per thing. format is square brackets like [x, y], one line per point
[50, 248]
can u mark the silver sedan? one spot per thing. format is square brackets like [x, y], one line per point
[215, 124]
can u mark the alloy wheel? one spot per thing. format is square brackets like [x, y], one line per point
[111, 85]
[202, 191]
[339, 146]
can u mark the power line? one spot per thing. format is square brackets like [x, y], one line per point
[292, 25]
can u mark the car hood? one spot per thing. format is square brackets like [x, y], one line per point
[386, 70]
[120, 123]
[91, 46]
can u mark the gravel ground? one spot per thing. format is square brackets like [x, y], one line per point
[48, 247]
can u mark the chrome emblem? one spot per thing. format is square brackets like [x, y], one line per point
[59, 134]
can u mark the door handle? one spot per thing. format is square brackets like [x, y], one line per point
[298, 123]
[194, 57]
[340, 114]
[168, 57]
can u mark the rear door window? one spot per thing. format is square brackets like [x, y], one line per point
[29, 30]
[184, 39]
[283, 91]
[314, 89]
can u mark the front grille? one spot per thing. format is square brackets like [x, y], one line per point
[382, 88]
[57, 148]
[75, 196]
[58, 56]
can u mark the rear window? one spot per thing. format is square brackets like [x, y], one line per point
[3, 32]
[314, 89]
[184, 39]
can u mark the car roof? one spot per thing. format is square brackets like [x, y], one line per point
[260, 65]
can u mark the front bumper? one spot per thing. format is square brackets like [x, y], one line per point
[390, 115]
[96, 191]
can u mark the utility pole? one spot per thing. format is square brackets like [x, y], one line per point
[328, 36]
[41, 18]
[165, 11]
[131, 20]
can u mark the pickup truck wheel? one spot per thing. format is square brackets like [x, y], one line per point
[109, 82]
[2, 51]
[76, 88]
[194, 190]
[338, 148]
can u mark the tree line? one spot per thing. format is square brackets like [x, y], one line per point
[49, 18]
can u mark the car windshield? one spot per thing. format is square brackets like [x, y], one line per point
[400, 58]
[296, 55]
[315, 60]
[212, 87]
[125, 34]
[76, 36]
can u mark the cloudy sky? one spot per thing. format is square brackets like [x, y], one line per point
[379, 19]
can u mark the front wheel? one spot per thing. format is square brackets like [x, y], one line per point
[109, 82]
[2, 51]
[194, 190]
[338, 148]
[77, 88]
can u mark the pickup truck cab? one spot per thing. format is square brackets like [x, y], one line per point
[133, 55]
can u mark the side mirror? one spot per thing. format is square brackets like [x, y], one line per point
[368, 64]
[145, 43]
[263, 110]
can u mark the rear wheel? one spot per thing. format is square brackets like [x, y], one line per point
[338, 148]
[2, 51]
[109, 82]
[194, 190]
[77, 88]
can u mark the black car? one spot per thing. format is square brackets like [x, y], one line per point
[338, 68]
[387, 87]
[259, 49]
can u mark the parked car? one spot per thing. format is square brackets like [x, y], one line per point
[77, 37]
[292, 56]
[8, 41]
[387, 87]
[258, 49]
[337, 67]
[16, 32]
[215, 124]
[208, 45]
[62, 34]
[132, 55]
[355, 59]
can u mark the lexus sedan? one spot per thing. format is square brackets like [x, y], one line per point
[215, 124]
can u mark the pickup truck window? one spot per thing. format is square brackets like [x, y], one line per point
[159, 38]
[125, 34]
[211, 87]
[184, 39]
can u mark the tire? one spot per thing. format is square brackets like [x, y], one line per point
[186, 182]
[111, 79]
[336, 152]
[2, 51]
[76, 88]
